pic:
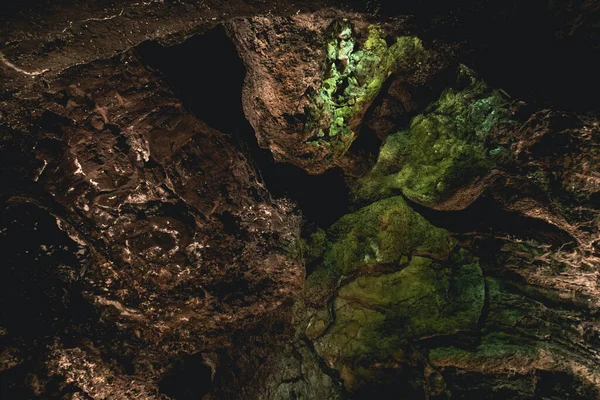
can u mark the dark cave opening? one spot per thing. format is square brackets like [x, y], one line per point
[532, 68]
[207, 74]
[188, 379]
[540, 52]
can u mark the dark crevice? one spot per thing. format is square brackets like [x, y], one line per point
[485, 217]
[189, 378]
[367, 143]
[207, 75]
[561, 385]
[210, 87]
[396, 383]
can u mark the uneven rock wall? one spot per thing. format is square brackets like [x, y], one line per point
[390, 202]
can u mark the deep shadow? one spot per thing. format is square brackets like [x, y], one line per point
[397, 386]
[40, 294]
[486, 217]
[188, 379]
[207, 74]
[542, 52]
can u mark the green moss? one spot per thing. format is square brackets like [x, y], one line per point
[424, 289]
[394, 278]
[443, 148]
[494, 350]
[316, 244]
[385, 232]
[353, 78]
[377, 316]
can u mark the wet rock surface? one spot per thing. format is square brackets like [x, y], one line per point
[312, 77]
[174, 238]
[208, 200]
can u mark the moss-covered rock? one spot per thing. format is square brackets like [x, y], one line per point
[377, 317]
[311, 78]
[380, 236]
[394, 279]
[354, 76]
[443, 148]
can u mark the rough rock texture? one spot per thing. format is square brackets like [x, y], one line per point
[449, 146]
[175, 240]
[312, 77]
[401, 280]
[145, 255]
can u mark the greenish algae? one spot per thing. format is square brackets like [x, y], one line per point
[394, 278]
[444, 147]
[352, 81]
[504, 332]
[494, 350]
[385, 232]
[390, 277]
[315, 245]
[421, 300]
[377, 317]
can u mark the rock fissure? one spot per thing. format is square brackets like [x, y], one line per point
[317, 201]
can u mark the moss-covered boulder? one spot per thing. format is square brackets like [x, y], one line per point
[380, 237]
[311, 79]
[355, 72]
[394, 279]
[444, 149]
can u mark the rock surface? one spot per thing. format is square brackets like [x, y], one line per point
[312, 77]
[156, 245]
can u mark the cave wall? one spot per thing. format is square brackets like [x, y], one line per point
[320, 201]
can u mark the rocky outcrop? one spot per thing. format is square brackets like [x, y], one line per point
[145, 255]
[446, 152]
[175, 242]
[395, 279]
[312, 77]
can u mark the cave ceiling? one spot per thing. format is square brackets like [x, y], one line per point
[313, 200]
